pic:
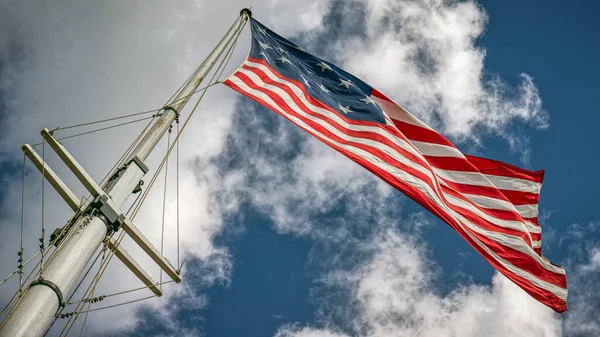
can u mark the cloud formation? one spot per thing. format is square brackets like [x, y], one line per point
[424, 55]
[395, 294]
[83, 60]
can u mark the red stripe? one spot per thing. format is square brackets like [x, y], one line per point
[533, 220]
[521, 198]
[417, 133]
[498, 168]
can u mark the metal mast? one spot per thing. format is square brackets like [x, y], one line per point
[36, 309]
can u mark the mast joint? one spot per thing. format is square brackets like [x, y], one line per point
[246, 11]
[51, 285]
[168, 107]
[111, 215]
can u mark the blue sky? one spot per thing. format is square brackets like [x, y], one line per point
[295, 239]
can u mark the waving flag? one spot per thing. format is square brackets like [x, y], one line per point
[492, 205]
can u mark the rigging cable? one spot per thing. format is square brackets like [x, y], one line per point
[92, 285]
[177, 197]
[104, 120]
[105, 128]
[162, 232]
[43, 238]
[68, 237]
[97, 280]
[15, 299]
[127, 152]
[20, 253]
[117, 293]
[17, 270]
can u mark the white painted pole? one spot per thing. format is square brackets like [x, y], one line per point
[38, 305]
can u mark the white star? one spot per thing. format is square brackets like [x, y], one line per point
[324, 66]
[262, 31]
[305, 81]
[265, 46]
[368, 100]
[284, 60]
[345, 109]
[345, 83]
[265, 57]
[283, 51]
[322, 87]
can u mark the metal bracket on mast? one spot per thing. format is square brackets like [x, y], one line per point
[71, 200]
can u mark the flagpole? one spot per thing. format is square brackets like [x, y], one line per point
[40, 302]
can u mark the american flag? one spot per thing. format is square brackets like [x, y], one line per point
[491, 204]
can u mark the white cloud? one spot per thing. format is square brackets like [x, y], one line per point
[584, 277]
[395, 294]
[424, 54]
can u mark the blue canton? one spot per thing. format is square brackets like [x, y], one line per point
[329, 84]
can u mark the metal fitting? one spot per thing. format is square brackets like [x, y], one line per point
[246, 11]
[52, 286]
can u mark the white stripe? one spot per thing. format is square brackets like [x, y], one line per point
[402, 175]
[514, 184]
[478, 179]
[467, 178]
[398, 113]
[489, 202]
[537, 244]
[437, 150]
[528, 211]
[531, 224]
